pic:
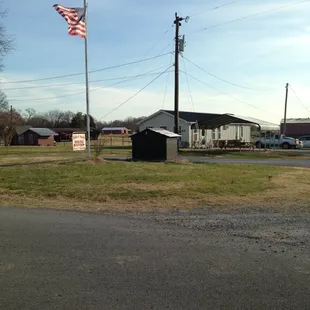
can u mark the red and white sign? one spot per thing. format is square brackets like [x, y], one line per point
[79, 141]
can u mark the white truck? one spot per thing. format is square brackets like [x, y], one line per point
[276, 141]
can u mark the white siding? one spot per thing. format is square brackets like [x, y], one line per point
[163, 119]
[234, 132]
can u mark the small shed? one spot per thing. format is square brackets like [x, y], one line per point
[155, 144]
[34, 136]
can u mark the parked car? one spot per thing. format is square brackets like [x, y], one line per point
[279, 141]
[305, 140]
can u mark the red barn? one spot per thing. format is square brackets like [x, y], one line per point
[296, 127]
[115, 131]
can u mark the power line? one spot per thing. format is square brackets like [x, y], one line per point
[252, 15]
[93, 71]
[188, 86]
[78, 83]
[215, 8]
[156, 43]
[134, 95]
[167, 82]
[298, 98]
[235, 98]
[78, 93]
[221, 79]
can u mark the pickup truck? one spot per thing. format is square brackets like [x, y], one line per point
[278, 141]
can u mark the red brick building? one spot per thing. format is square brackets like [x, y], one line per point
[115, 131]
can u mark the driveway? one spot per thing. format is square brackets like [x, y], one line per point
[177, 260]
[275, 162]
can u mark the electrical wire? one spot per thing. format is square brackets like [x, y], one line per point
[221, 79]
[233, 97]
[298, 98]
[156, 43]
[78, 93]
[167, 82]
[188, 86]
[214, 8]
[252, 15]
[92, 71]
[79, 83]
[134, 95]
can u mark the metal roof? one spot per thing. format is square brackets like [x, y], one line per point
[296, 121]
[165, 132]
[227, 119]
[113, 128]
[43, 132]
[194, 117]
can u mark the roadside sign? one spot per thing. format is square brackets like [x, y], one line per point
[79, 141]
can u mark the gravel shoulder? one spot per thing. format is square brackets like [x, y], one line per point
[201, 259]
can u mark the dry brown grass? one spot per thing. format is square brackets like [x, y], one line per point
[103, 186]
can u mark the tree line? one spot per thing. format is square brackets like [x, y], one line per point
[57, 118]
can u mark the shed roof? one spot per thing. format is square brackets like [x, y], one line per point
[165, 132]
[161, 131]
[43, 132]
[227, 119]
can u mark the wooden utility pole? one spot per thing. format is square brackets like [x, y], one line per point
[177, 23]
[285, 109]
[11, 117]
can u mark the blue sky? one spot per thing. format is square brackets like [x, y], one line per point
[262, 52]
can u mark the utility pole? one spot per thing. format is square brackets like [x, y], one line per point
[285, 109]
[11, 117]
[178, 41]
[177, 23]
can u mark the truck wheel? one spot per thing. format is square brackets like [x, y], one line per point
[259, 145]
[285, 146]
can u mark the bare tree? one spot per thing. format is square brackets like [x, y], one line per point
[6, 42]
[29, 114]
[4, 104]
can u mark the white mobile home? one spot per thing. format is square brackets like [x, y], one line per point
[196, 127]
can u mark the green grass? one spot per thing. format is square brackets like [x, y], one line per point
[62, 151]
[246, 154]
[141, 184]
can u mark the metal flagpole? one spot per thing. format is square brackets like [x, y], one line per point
[86, 79]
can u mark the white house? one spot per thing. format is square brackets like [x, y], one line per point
[218, 126]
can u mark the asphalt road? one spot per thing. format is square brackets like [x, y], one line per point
[275, 162]
[200, 260]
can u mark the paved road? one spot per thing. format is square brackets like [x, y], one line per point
[68, 260]
[276, 162]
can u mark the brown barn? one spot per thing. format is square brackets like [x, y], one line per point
[115, 131]
[296, 127]
[34, 136]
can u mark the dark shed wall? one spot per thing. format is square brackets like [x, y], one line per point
[148, 147]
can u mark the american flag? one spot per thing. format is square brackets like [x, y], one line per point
[75, 18]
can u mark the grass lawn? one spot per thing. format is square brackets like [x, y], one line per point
[246, 154]
[123, 186]
[62, 151]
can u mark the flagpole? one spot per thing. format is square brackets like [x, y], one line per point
[86, 79]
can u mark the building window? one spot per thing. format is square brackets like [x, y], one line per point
[213, 134]
[219, 134]
[241, 132]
